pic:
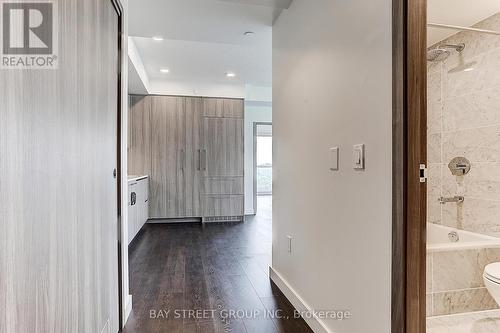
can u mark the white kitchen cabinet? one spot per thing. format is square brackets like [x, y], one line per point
[138, 205]
[142, 204]
[132, 212]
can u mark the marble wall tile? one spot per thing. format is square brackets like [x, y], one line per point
[463, 114]
[460, 301]
[434, 118]
[433, 66]
[475, 43]
[452, 215]
[433, 193]
[493, 254]
[477, 144]
[428, 305]
[492, 22]
[434, 148]
[484, 76]
[474, 110]
[433, 87]
[461, 269]
[482, 182]
[489, 229]
[476, 215]
[428, 273]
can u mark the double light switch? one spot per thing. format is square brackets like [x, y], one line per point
[358, 157]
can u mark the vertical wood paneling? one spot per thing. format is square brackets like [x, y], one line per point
[214, 146]
[223, 131]
[409, 151]
[213, 107]
[179, 127]
[159, 180]
[398, 300]
[233, 108]
[58, 221]
[415, 193]
[168, 121]
[193, 110]
[176, 122]
[223, 108]
[223, 140]
[139, 156]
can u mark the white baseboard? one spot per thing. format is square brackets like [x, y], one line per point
[316, 324]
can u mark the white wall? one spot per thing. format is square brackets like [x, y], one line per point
[127, 298]
[138, 80]
[258, 108]
[332, 87]
[254, 112]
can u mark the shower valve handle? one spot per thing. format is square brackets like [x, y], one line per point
[457, 199]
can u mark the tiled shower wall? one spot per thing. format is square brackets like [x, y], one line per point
[455, 281]
[464, 120]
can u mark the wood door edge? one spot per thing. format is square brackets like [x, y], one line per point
[409, 151]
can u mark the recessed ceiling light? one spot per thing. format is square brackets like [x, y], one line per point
[157, 38]
[469, 69]
[165, 70]
[230, 74]
[249, 33]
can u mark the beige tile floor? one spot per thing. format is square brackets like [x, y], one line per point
[473, 322]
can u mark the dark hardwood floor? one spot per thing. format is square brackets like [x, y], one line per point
[176, 270]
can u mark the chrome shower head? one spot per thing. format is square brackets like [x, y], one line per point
[436, 55]
[442, 52]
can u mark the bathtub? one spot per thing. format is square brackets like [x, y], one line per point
[439, 241]
[455, 271]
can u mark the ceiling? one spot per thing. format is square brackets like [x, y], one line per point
[464, 13]
[204, 39]
[206, 62]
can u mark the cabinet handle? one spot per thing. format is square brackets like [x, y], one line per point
[199, 160]
[183, 159]
[204, 160]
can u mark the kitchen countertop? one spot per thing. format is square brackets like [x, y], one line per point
[132, 178]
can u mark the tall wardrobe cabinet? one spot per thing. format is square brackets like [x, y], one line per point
[192, 149]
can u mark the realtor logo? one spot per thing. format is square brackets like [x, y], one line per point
[29, 35]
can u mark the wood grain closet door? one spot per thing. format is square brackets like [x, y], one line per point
[193, 111]
[223, 144]
[168, 156]
[58, 211]
[223, 157]
[158, 181]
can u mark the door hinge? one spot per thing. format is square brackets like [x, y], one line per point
[423, 173]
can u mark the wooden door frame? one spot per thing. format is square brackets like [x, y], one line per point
[409, 152]
[255, 125]
[119, 11]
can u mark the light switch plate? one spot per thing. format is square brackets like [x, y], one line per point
[334, 159]
[359, 157]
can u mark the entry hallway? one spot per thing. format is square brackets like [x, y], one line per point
[213, 267]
